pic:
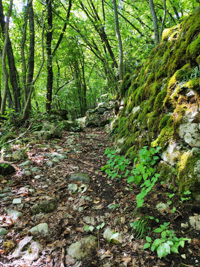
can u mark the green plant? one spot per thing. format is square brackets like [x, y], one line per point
[114, 206]
[141, 227]
[143, 169]
[195, 73]
[186, 196]
[116, 164]
[168, 242]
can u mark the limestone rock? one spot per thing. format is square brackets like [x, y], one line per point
[93, 120]
[83, 248]
[195, 222]
[81, 177]
[41, 228]
[45, 206]
[112, 237]
[44, 135]
[3, 231]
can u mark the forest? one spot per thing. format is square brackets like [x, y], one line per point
[99, 133]
[65, 54]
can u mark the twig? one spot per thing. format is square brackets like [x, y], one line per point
[62, 264]
[85, 163]
[17, 137]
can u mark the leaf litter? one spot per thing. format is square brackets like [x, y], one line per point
[87, 208]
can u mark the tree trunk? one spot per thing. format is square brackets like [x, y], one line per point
[14, 77]
[31, 53]
[49, 56]
[155, 22]
[5, 73]
[119, 40]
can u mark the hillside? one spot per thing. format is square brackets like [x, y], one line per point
[161, 106]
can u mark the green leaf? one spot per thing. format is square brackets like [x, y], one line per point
[145, 176]
[148, 239]
[158, 230]
[161, 251]
[130, 179]
[146, 245]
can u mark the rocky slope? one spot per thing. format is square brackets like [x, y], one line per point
[161, 106]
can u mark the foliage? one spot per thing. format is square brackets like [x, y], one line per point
[167, 243]
[142, 170]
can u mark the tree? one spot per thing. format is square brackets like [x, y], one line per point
[119, 40]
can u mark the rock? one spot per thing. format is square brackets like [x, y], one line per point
[72, 126]
[45, 206]
[93, 120]
[14, 214]
[6, 168]
[195, 222]
[83, 248]
[89, 220]
[112, 237]
[81, 177]
[49, 163]
[17, 201]
[163, 208]
[72, 187]
[44, 135]
[41, 228]
[19, 155]
[35, 169]
[3, 232]
[25, 163]
[172, 153]
[190, 133]
[27, 173]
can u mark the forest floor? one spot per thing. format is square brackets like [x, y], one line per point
[89, 210]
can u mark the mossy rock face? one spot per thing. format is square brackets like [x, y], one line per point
[161, 106]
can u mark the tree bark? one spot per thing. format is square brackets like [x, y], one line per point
[49, 56]
[5, 73]
[31, 53]
[119, 40]
[155, 22]
[14, 77]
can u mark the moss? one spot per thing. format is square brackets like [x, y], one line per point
[194, 48]
[158, 104]
[125, 84]
[194, 84]
[164, 121]
[188, 180]
[170, 32]
[166, 171]
[165, 136]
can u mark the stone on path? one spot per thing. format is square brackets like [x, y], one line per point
[81, 177]
[41, 228]
[44, 206]
[83, 248]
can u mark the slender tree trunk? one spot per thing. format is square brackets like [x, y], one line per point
[119, 40]
[14, 77]
[163, 20]
[5, 73]
[31, 53]
[49, 56]
[23, 54]
[155, 22]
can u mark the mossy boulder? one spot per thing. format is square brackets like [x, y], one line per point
[161, 105]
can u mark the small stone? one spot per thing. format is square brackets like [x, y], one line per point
[50, 163]
[35, 169]
[72, 187]
[41, 228]
[14, 214]
[45, 206]
[25, 163]
[89, 220]
[83, 248]
[27, 173]
[3, 232]
[17, 201]
[81, 177]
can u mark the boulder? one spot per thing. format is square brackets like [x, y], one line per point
[93, 120]
[83, 248]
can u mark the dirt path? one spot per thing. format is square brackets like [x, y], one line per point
[81, 207]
